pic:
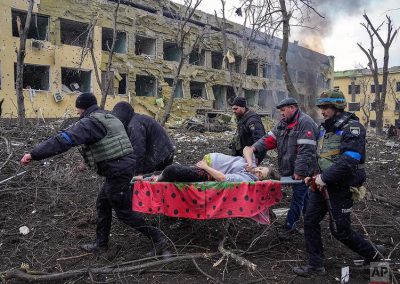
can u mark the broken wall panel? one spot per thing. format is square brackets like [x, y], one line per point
[73, 32]
[35, 77]
[75, 80]
[107, 39]
[39, 26]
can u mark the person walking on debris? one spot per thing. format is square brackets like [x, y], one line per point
[295, 139]
[217, 167]
[249, 129]
[153, 150]
[106, 148]
[341, 158]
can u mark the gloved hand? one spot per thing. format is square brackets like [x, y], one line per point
[319, 182]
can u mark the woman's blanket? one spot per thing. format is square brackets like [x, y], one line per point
[207, 200]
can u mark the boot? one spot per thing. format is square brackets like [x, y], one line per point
[308, 270]
[94, 248]
[380, 251]
[160, 249]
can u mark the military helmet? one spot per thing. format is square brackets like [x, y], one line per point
[333, 98]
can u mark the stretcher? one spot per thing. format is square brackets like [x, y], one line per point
[207, 200]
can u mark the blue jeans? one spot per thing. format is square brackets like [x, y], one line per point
[298, 205]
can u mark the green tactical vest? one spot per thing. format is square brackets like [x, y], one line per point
[114, 145]
[328, 150]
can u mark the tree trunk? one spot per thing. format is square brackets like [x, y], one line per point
[20, 64]
[282, 54]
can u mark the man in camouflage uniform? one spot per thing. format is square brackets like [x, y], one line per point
[249, 129]
[341, 158]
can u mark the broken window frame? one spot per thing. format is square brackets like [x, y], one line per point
[278, 72]
[120, 40]
[356, 89]
[167, 54]
[251, 97]
[354, 106]
[204, 93]
[254, 70]
[80, 78]
[37, 77]
[152, 91]
[217, 59]
[397, 86]
[138, 42]
[267, 71]
[197, 57]
[373, 88]
[179, 88]
[372, 123]
[74, 36]
[219, 97]
[36, 21]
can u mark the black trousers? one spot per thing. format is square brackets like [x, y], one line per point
[116, 194]
[184, 174]
[341, 208]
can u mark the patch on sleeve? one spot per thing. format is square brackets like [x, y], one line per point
[309, 134]
[252, 127]
[355, 130]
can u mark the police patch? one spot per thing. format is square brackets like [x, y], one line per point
[355, 131]
[252, 127]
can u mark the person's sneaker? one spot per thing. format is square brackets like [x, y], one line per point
[94, 247]
[308, 270]
[160, 249]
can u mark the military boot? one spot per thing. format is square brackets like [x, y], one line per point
[308, 270]
[94, 248]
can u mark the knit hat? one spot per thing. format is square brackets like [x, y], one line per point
[85, 100]
[239, 101]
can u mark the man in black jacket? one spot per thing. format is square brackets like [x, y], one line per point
[341, 160]
[106, 148]
[249, 129]
[152, 148]
[295, 139]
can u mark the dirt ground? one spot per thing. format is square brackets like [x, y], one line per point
[57, 205]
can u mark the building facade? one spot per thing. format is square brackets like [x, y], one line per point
[359, 88]
[57, 67]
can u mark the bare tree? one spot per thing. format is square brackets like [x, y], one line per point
[89, 48]
[380, 96]
[366, 99]
[21, 52]
[185, 45]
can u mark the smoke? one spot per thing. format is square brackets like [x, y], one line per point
[316, 28]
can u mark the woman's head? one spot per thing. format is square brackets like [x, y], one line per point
[263, 173]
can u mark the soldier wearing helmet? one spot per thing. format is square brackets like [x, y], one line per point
[341, 158]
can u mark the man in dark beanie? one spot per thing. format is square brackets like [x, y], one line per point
[249, 129]
[152, 148]
[107, 149]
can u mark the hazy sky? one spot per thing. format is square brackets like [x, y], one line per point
[341, 30]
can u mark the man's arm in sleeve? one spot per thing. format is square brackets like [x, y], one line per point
[137, 136]
[306, 148]
[352, 151]
[85, 131]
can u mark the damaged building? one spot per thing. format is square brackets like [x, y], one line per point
[145, 60]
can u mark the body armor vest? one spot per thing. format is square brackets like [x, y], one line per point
[114, 145]
[328, 150]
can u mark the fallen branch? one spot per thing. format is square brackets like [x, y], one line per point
[204, 273]
[34, 276]
[240, 260]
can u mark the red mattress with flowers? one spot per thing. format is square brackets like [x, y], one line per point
[207, 200]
